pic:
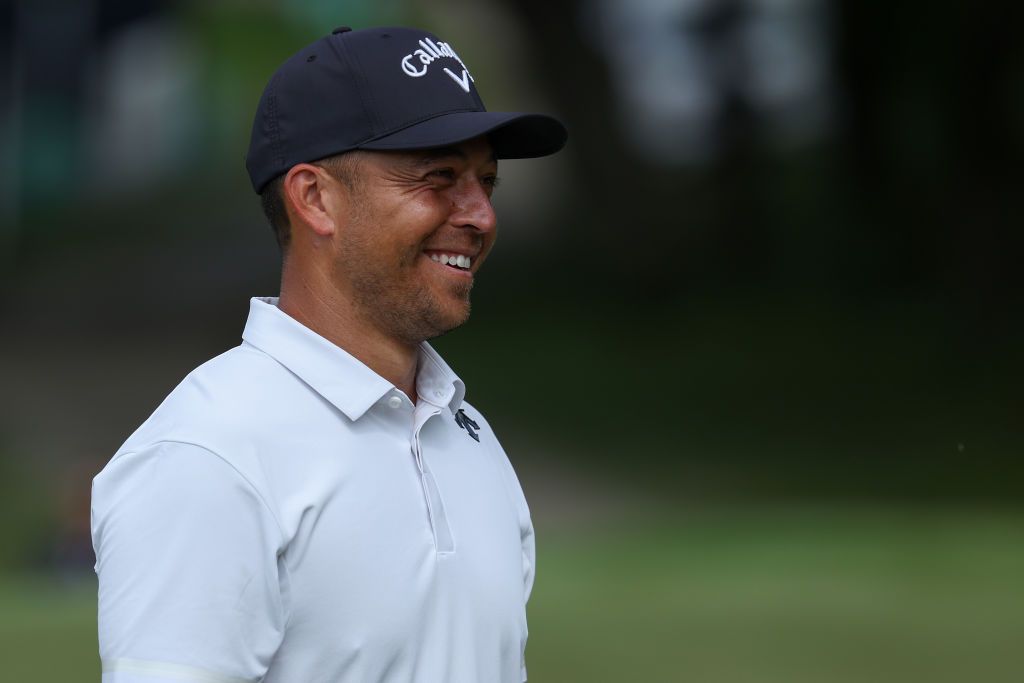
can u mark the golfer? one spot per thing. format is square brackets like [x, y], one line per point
[321, 504]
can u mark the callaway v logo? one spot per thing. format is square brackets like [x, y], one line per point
[427, 54]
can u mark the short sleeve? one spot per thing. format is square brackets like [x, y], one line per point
[187, 555]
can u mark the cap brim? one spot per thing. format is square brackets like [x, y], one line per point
[513, 135]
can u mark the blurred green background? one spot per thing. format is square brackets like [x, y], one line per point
[753, 340]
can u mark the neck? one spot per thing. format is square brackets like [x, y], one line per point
[334, 317]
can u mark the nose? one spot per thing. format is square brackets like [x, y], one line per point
[471, 207]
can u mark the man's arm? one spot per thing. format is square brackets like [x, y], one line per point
[189, 576]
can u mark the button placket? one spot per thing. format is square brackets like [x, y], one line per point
[443, 541]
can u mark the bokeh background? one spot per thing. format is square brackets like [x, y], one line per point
[753, 340]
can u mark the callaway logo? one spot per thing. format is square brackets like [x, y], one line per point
[416, 63]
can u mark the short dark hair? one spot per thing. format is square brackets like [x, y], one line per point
[343, 167]
[272, 200]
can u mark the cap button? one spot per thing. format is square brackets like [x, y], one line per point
[341, 29]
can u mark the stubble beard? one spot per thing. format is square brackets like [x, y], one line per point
[411, 316]
[407, 311]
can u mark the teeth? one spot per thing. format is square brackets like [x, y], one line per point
[457, 260]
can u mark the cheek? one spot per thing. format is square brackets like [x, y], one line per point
[395, 225]
[422, 206]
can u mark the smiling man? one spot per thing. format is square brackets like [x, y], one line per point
[320, 504]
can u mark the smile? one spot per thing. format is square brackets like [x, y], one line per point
[454, 260]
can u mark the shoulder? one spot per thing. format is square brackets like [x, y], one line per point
[241, 376]
[166, 464]
[175, 483]
[222, 404]
[209, 427]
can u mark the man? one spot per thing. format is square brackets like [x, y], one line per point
[319, 504]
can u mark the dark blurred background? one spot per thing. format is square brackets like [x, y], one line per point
[753, 340]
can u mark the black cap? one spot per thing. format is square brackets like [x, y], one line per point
[381, 89]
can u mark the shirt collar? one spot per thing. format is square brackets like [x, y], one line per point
[436, 383]
[335, 374]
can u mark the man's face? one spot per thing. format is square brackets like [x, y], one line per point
[418, 226]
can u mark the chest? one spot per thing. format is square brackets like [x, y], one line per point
[400, 535]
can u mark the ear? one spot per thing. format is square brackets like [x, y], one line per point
[312, 198]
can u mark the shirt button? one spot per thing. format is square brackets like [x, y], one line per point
[394, 402]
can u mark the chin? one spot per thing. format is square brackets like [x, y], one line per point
[431, 317]
[450, 320]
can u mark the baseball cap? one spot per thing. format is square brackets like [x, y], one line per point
[387, 88]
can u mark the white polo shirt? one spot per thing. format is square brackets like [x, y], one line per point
[288, 516]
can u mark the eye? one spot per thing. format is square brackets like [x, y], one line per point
[445, 174]
[490, 181]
